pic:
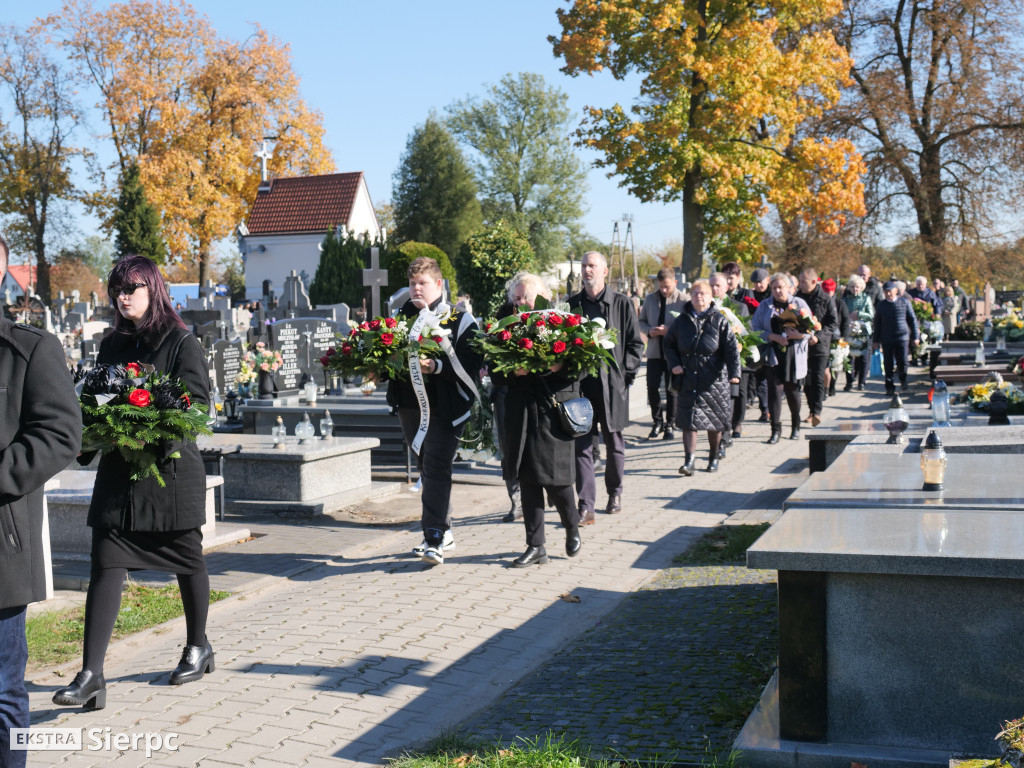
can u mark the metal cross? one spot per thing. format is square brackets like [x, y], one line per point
[264, 155]
[374, 278]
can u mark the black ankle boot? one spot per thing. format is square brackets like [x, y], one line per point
[196, 661]
[532, 556]
[795, 434]
[88, 691]
[687, 468]
[573, 542]
[832, 389]
[721, 450]
[713, 464]
[776, 434]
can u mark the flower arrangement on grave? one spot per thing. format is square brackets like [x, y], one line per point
[536, 340]
[136, 411]
[979, 396]
[748, 339]
[1010, 325]
[1018, 367]
[380, 348]
[839, 357]
[246, 373]
[263, 358]
[799, 318]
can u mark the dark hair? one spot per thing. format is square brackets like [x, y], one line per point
[160, 317]
[666, 273]
[732, 268]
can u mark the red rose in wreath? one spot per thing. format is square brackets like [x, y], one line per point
[134, 370]
[374, 325]
[558, 347]
[573, 320]
[526, 343]
[346, 349]
[505, 335]
[555, 319]
[390, 322]
[577, 342]
[139, 397]
[387, 338]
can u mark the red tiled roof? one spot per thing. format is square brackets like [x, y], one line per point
[22, 274]
[304, 204]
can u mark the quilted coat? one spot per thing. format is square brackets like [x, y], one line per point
[705, 347]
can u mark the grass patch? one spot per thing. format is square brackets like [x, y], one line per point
[55, 637]
[722, 545]
[456, 751]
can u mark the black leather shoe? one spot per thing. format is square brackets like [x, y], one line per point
[713, 464]
[764, 417]
[88, 691]
[776, 434]
[670, 434]
[513, 514]
[532, 556]
[795, 434]
[655, 431]
[721, 451]
[586, 516]
[687, 469]
[848, 387]
[573, 542]
[736, 433]
[614, 505]
[195, 662]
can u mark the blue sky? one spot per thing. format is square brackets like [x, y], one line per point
[376, 70]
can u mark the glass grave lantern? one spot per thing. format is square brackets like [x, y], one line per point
[940, 404]
[979, 354]
[933, 462]
[231, 406]
[326, 426]
[279, 431]
[304, 430]
[310, 391]
[896, 421]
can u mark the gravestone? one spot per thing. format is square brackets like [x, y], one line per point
[90, 348]
[294, 296]
[302, 342]
[211, 332]
[197, 317]
[375, 278]
[73, 321]
[227, 363]
[397, 301]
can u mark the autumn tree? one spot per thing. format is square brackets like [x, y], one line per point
[136, 221]
[191, 109]
[937, 106]
[434, 192]
[36, 152]
[488, 259]
[528, 171]
[724, 88]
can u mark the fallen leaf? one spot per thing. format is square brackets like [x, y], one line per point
[570, 598]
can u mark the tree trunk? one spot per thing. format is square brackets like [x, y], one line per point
[795, 245]
[931, 214]
[42, 268]
[203, 257]
[693, 228]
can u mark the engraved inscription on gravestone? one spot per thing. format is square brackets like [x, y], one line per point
[227, 363]
[286, 336]
[301, 342]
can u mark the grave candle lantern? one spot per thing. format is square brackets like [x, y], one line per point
[979, 354]
[279, 431]
[310, 391]
[896, 421]
[326, 426]
[933, 462]
[304, 429]
[940, 404]
[1001, 342]
[231, 406]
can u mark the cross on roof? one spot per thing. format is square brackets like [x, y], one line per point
[374, 278]
[264, 154]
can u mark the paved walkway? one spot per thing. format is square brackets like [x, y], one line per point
[339, 648]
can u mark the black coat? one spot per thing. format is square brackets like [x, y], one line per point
[450, 401]
[610, 390]
[40, 433]
[538, 449]
[117, 501]
[895, 322]
[705, 348]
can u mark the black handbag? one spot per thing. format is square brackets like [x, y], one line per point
[576, 415]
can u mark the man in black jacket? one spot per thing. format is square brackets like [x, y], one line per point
[608, 392]
[824, 309]
[895, 327]
[448, 385]
[40, 433]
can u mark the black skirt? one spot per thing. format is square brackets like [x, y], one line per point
[168, 551]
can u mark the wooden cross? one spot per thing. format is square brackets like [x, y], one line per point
[374, 278]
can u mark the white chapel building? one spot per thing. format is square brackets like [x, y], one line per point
[291, 217]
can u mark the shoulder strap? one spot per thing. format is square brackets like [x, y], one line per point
[174, 354]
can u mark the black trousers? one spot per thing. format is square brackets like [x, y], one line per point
[614, 467]
[435, 465]
[498, 403]
[776, 388]
[894, 360]
[859, 370]
[658, 376]
[814, 384]
[739, 403]
[564, 499]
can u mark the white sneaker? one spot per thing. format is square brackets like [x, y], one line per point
[447, 544]
[433, 556]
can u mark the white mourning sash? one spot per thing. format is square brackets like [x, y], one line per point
[428, 323]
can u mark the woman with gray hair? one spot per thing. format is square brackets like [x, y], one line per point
[862, 317]
[539, 453]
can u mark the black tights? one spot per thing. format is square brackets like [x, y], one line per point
[104, 600]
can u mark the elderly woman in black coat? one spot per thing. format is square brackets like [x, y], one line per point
[701, 351]
[539, 452]
[140, 525]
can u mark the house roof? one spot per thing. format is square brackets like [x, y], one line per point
[23, 274]
[304, 204]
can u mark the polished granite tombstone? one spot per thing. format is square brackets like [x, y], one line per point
[876, 480]
[899, 632]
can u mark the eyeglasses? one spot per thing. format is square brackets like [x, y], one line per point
[128, 289]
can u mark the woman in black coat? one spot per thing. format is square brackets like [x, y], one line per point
[138, 524]
[701, 351]
[539, 452]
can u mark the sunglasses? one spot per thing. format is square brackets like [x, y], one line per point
[128, 289]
